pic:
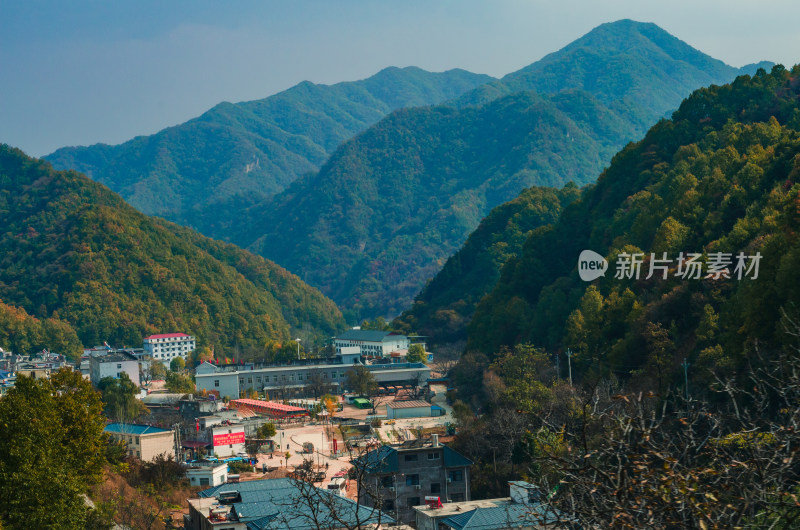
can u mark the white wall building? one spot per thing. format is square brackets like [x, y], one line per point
[114, 365]
[408, 409]
[371, 343]
[167, 346]
[207, 475]
[227, 439]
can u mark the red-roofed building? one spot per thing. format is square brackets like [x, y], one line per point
[269, 408]
[167, 346]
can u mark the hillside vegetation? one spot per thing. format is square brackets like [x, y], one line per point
[74, 251]
[238, 152]
[20, 332]
[720, 176]
[390, 206]
[445, 306]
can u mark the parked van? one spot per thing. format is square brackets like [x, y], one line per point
[338, 485]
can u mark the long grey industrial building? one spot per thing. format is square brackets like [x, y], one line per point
[293, 379]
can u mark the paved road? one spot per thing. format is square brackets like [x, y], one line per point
[292, 440]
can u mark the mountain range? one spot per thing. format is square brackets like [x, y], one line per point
[73, 252]
[251, 150]
[391, 204]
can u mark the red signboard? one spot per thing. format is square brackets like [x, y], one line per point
[229, 438]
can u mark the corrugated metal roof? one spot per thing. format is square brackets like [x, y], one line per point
[508, 516]
[269, 405]
[367, 335]
[408, 404]
[385, 460]
[132, 428]
[455, 459]
[280, 503]
[380, 460]
[167, 336]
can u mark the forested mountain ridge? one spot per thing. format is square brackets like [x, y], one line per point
[445, 306]
[721, 176]
[74, 251]
[619, 62]
[387, 209]
[256, 148]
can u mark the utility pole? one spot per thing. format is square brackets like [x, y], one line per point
[558, 366]
[685, 365]
[569, 362]
[178, 444]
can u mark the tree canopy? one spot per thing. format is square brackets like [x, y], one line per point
[71, 251]
[51, 450]
[361, 381]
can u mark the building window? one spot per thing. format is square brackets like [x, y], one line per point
[436, 487]
[411, 458]
[413, 501]
[250, 380]
[119, 366]
[216, 382]
[333, 375]
[299, 377]
[388, 505]
[456, 476]
[412, 480]
[258, 379]
[433, 456]
[204, 481]
[387, 481]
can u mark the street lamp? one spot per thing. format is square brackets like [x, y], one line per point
[297, 340]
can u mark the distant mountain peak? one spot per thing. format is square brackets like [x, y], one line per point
[203, 162]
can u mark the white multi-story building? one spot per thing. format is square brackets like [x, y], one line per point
[167, 346]
[114, 365]
[372, 343]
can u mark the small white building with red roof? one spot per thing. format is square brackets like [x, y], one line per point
[166, 346]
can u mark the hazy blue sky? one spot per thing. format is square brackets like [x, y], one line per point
[80, 72]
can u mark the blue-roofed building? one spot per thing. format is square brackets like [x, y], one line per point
[277, 504]
[409, 472]
[523, 509]
[7, 381]
[144, 442]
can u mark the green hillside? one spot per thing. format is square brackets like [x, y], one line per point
[383, 214]
[620, 63]
[22, 333]
[253, 149]
[72, 250]
[390, 206]
[722, 176]
[445, 306]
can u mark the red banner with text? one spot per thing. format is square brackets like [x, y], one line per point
[229, 438]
